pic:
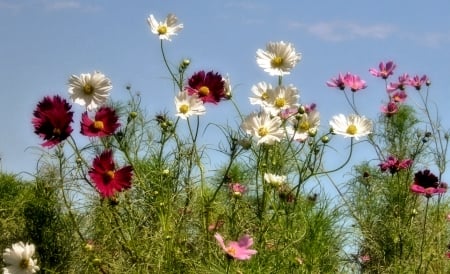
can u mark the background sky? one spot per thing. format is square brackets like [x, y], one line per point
[43, 42]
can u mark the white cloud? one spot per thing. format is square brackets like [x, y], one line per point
[5, 5]
[55, 5]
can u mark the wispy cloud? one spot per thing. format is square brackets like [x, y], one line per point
[9, 5]
[56, 5]
[341, 31]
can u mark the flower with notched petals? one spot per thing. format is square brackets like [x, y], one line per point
[165, 29]
[427, 184]
[19, 259]
[209, 87]
[265, 128]
[104, 124]
[89, 89]
[385, 70]
[352, 126]
[239, 250]
[278, 59]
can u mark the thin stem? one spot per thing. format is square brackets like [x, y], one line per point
[423, 236]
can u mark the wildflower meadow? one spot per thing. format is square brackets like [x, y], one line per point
[121, 189]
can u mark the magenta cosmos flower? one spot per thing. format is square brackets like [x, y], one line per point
[427, 184]
[390, 108]
[394, 165]
[237, 189]
[105, 123]
[52, 119]
[337, 82]
[417, 81]
[403, 81]
[239, 250]
[210, 86]
[385, 70]
[107, 178]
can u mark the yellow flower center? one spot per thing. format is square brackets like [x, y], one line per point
[88, 89]
[183, 109]
[98, 125]
[24, 263]
[231, 251]
[162, 30]
[56, 131]
[351, 129]
[109, 174]
[203, 91]
[264, 96]
[262, 131]
[304, 125]
[280, 102]
[277, 62]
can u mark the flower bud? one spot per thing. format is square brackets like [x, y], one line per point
[325, 139]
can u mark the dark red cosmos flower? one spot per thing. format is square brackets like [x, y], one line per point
[104, 124]
[107, 179]
[394, 165]
[426, 183]
[52, 119]
[210, 87]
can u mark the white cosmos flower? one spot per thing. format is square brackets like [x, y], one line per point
[261, 92]
[351, 126]
[188, 105]
[89, 89]
[278, 58]
[274, 180]
[281, 98]
[265, 128]
[166, 28]
[304, 125]
[19, 259]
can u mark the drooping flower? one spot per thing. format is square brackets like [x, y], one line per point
[394, 165]
[90, 89]
[104, 124]
[237, 189]
[188, 105]
[427, 184]
[261, 92]
[274, 180]
[239, 250]
[337, 82]
[354, 82]
[210, 86]
[107, 178]
[19, 259]
[304, 125]
[385, 70]
[352, 126]
[418, 81]
[166, 28]
[281, 98]
[390, 108]
[265, 128]
[278, 59]
[51, 120]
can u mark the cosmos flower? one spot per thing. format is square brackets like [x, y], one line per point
[89, 89]
[354, 82]
[209, 87]
[188, 105]
[165, 29]
[394, 165]
[237, 189]
[390, 108]
[427, 184]
[239, 250]
[418, 81]
[107, 178]
[385, 70]
[281, 98]
[351, 126]
[104, 124]
[265, 128]
[403, 81]
[274, 180]
[278, 58]
[398, 96]
[19, 259]
[304, 125]
[337, 82]
[52, 119]
[261, 92]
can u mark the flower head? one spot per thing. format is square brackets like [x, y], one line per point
[164, 29]
[278, 58]
[51, 120]
[385, 70]
[274, 180]
[351, 126]
[19, 259]
[354, 82]
[239, 250]
[104, 124]
[261, 92]
[394, 165]
[209, 87]
[281, 98]
[398, 96]
[337, 82]
[237, 189]
[304, 125]
[89, 89]
[427, 184]
[418, 81]
[107, 178]
[403, 81]
[265, 128]
[389, 109]
[188, 105]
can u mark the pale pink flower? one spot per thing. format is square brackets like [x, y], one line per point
[354, 82]
[337, 82]
[239, 250]
[237, 189]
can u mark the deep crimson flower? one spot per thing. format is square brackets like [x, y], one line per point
[390, 109]
[107, 178]
[210, 87]
[427, 184]
[403, 81]
[104, 124]
[337, 82]
[354, 82]
[52, 119]
[417, 81]
[239, 250]
[385, 70]
[394, 165]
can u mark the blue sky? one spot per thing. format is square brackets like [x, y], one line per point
[43, 42]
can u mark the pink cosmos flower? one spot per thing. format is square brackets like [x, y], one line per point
[236, 189]
[427, 184]
[354, 82]
[389, 109]
[239, 250]
[337, 82]
[399, 96]
[403, 81]
[417, 81]
[394, 165]
[104, 124]
[385, 70]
